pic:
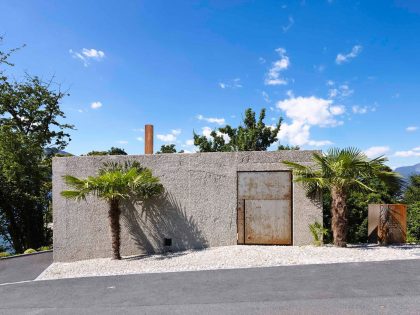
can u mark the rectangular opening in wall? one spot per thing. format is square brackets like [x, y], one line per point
[167, 241]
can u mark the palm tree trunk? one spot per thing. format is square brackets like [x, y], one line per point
[339, 217]
[114, 222]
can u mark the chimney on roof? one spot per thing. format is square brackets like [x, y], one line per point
[148, 139]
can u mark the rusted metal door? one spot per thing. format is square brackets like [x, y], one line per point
[265, 208]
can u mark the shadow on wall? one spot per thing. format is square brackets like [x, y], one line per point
[158, 219]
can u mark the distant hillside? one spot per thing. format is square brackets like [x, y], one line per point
[407, 171]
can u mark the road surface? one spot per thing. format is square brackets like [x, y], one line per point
[391, 287]
[23, 268]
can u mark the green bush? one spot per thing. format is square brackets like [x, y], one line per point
[318, 232]
[43, 248]
[29, 251]
[4, 254]
[413, 223]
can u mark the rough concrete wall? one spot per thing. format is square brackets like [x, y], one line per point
[198, 209]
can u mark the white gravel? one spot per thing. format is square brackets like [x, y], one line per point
[229, 257]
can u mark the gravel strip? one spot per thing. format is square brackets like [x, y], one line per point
[228, 257]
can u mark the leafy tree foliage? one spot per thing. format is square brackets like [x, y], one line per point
[252, 135]
[412, 193]
[168, 148]
[357, 208]
[282, 147]
[116, 151]
[412, 199]
[115, 183]
[112, 151]
[343, 172]
[30, 122]
[413, 222]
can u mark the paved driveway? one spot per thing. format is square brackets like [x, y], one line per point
[23, 268]
[354, 288]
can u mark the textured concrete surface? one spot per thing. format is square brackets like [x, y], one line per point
[24, 268]
[391, 287]
[198, 210]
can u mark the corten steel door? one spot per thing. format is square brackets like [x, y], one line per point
[265, 208]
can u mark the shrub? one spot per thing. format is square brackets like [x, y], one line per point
[318, 231]
[413, 223]
[4, 254]
[29, 251]
[43, 248]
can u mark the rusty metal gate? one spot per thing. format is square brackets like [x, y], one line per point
[265, 208]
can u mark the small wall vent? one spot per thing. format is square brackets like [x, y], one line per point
[167, 241]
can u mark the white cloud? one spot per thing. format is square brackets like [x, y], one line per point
[273, 76]
[140, 139]
[170, 137]
[411, 128]
[93, 53]
[266, 97]
[312, 110]
[319, 68]
[261, 60]
[342, 58]
[123, 142]
[359, 110]
[219, 121]
[85, 55]
[374, 152]
[298, 133]
[189, 142]
[96, 105]
[289, 25]
[415, 152]
[340, 91]
[304, 113]
[232, 84]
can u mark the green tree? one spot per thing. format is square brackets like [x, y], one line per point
[412, 192]
[30, 122]
[357, 207]
[115, 183]
[252, 135]
[282, 147]
[412, 199]
[116, 151]
[342, 171]
[112, 151]
[167, 148]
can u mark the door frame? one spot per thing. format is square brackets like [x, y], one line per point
[238, 227]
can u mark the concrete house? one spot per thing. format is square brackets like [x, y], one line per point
[211, 199]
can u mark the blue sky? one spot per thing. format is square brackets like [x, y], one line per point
[340, 73]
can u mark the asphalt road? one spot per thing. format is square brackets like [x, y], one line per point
[23, 268]
[391, 287]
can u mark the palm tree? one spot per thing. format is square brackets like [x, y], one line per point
[340, 171]
[115, 183]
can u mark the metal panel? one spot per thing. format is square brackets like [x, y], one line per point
[241, 221]
[265, 208]
[373, 222]
[264, 185]
[387, 223]
[268, 222]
